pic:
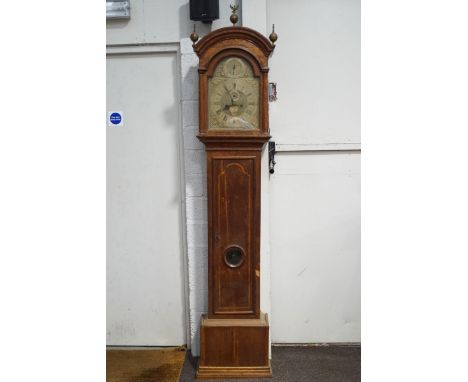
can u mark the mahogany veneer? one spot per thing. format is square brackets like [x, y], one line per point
[244, 348]
[235, 333]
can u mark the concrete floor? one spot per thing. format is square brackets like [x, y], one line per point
[302, 363]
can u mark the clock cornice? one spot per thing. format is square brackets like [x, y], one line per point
[231, 33]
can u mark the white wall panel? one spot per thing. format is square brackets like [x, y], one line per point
[145, 283]
[158, 21]
[317, 68]
[315, 191]
[315, 247]
[130, 31]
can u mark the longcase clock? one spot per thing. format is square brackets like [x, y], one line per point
[233, 125]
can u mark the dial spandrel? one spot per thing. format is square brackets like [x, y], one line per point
[233, 96]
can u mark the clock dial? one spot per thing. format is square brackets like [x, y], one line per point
[233, 96]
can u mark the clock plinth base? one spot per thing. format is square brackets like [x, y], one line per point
[219, 372]
[234, 348]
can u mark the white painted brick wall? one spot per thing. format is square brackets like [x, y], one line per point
[195, 193]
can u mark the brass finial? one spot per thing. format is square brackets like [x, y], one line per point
[234, 18]
[194, 35]
[273, 36]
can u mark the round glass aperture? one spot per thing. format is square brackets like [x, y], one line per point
[234, 257]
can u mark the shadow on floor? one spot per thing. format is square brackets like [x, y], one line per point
[302, 363]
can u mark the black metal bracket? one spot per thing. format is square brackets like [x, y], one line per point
[271, 156]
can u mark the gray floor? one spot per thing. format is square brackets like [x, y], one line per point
[297, 364]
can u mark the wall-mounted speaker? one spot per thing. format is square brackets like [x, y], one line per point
[204, 10]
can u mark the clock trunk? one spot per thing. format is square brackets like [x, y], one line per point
[234, 209]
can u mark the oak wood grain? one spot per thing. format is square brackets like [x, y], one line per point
[234, 335]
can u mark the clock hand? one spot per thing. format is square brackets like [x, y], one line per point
[229, 94]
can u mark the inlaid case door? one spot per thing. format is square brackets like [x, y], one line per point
[235, 219]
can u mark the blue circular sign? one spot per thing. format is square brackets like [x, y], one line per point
[115, 118]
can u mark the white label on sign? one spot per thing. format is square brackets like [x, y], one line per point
[115, 119]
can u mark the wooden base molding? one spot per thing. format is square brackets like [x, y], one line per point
[213, 372]
[234, 348]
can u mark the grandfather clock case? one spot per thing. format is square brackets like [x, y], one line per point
[233, 125]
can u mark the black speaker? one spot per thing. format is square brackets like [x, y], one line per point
[204, 10]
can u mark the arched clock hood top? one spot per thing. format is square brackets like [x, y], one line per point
[229, 33]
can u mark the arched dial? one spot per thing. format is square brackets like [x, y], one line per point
[233, 96]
